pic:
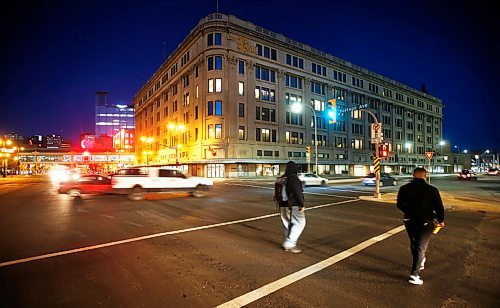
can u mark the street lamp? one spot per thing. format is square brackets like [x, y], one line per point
[296, 108]
[408, 147]
[5, 153]
[441, 143]
[174, 127]
[148, 141]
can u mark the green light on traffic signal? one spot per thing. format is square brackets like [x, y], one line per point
[331, 111]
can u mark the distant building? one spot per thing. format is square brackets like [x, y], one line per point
[54, 141]
[37, 141]
[111, 118]
[123, 141]
[17, 138]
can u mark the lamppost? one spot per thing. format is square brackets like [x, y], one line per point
[5, 154]
[148, 141]
[176, 127]
[296, 108]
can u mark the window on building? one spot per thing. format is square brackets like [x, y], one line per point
[241, 110]
[241, 133]
[294, 61]
[357, 144]
[241, 67]
[293, 81]
[241, 88]
[214, 39]
[264, 73]
[266, 52]
[210, 131]
[339, 76]
[218, 131]
[214, 85]
[218, 108]
[214, 62]
[210, 108]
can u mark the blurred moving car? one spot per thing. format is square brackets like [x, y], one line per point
[467, 175]
[493, 171]
[311, 179]
[137, 181]
[385, 180]
[86, 184]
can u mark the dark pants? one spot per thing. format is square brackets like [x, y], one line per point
[420, 235]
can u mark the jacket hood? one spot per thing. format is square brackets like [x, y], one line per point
[291, 168]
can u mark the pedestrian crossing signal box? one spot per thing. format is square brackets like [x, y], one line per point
[383, 150]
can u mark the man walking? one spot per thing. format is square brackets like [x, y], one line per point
[292, 210]
[423, 210]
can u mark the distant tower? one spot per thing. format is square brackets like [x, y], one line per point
[101, 98]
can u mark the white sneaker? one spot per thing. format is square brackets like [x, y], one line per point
[422, 265]
[293, 249]
[415, 280]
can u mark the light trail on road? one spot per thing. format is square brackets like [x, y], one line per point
[155, 235]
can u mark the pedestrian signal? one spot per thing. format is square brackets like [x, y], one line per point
[383, 150]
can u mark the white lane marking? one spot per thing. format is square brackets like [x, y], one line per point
[347, 190]
[274, 286]
[107, 216]
[150, 236]
[305, 192]
[133, 223]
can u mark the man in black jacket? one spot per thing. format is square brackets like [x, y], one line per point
[423, 210]
[292, 214]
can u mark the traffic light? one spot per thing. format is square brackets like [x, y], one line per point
[331, 111]
[383, 150]
[308, 150]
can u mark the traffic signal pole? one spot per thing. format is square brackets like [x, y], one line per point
[377, 157]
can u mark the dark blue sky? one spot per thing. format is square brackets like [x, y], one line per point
[55, 55]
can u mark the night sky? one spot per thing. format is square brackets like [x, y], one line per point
[54, 55]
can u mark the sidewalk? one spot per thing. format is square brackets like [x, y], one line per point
[465, 200]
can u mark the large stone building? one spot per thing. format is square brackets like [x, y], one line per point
[221, 106]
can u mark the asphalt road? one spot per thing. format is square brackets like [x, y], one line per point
[178, 251]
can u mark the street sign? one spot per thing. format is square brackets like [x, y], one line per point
[429, 155]
[376, 132]
[349, 109]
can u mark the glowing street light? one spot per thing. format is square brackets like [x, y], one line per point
[5, 154]
[177, 128]
[148, 141]
[296, 108]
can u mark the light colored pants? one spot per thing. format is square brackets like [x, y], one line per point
[294, 223]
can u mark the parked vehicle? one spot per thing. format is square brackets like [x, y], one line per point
[493, 171]
[310, 179]
[86, 184]
[385, 180]
[467, 175]
[137, 181]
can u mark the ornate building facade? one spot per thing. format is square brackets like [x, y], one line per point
[221, 106]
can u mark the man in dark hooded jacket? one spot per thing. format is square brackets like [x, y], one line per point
[293, 215]
[423, 210]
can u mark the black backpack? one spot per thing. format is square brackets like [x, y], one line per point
[279, 186]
